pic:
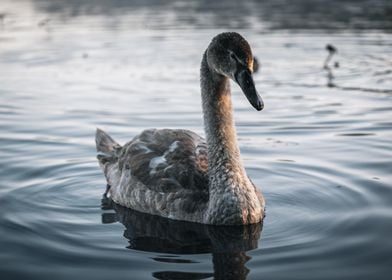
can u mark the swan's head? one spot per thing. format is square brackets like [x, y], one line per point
[230, 55]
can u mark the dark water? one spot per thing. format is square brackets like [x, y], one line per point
[321, 150]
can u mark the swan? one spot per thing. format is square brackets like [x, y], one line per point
[175, 173]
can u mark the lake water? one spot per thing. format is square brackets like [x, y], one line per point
[321, 150]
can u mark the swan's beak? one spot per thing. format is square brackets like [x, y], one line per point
[245, 80]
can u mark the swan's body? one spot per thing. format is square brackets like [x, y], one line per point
[175, 173]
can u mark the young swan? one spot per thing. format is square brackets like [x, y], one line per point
[174, 173]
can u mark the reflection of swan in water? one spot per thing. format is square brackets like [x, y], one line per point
[174, 173]
[227, 244]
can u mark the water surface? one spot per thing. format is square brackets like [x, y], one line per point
[320, 150]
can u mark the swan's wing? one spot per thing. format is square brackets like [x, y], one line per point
[167, 160]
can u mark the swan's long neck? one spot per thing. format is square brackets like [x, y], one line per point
[233, 199]
[224, 160]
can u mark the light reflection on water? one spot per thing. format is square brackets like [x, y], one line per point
[322, 155]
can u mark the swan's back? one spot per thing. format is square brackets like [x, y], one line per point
[159, 165]
[167, 159]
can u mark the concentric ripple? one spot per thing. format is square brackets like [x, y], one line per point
[320, 150]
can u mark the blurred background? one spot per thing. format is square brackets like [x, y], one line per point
[320, 150]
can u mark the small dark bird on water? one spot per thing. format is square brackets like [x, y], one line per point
[331, 51]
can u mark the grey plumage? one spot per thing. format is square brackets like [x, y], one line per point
[175, 173]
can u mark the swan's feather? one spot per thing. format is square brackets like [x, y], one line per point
[164, 160]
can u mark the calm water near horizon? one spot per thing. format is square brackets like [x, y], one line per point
[321, 150]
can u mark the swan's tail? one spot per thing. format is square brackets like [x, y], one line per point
[107, 148]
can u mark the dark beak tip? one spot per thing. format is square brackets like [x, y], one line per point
[260, 106]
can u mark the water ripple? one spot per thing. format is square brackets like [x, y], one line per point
[320, 150]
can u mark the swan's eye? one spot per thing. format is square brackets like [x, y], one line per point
[233, 57]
